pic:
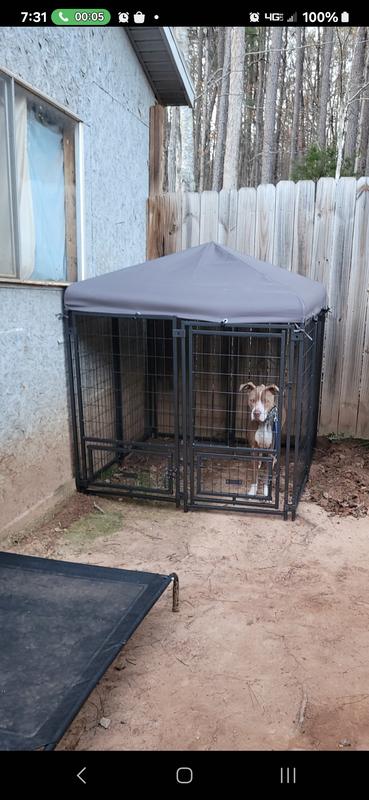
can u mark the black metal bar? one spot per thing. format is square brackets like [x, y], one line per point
[117, 379]
[206, 327]
[147, 494]
[318, 366]
[151, 379]
[83, 469]
[301, 346]
[242, 334]
[232, 388]
[76, 454]
[314, 392]
[177, 457]
[291, 345]
[184, 420]
[282, 370]
[191, 412]
[242, 509]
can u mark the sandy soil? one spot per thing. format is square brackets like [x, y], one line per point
[270, 648]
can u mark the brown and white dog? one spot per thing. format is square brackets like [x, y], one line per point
[262, 407]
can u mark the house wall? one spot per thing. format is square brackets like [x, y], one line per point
[96, 74]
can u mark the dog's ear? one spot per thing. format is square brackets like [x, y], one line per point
[272, 388]
[247, 387]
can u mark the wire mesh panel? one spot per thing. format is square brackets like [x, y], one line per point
[124, 399]
[235, 402]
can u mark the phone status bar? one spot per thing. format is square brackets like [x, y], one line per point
[135, 17]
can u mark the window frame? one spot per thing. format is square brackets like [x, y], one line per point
[75, 245]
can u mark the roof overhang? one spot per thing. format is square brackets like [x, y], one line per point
[163, 64]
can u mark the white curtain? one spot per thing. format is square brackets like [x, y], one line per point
[27, 233]
[7, 266]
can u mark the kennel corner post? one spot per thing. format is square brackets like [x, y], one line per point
[68, 333]
[289, 387]
[177, 334]
[184, 413]
[318, 370]
[278, 443]
[73, 351]
[299, 338]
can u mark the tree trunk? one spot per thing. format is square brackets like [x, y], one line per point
[222, 110]
[297, 100]
[360, 162]
[231, 156]
[268, 157]
[198, 102]
[281, 100]
[356, 80]
[367, 162]
[255, 173]
[328, 37]
[186, 168]
[174, 149]
[204, 110]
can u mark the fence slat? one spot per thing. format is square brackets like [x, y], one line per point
[209, 217]
[246, 221]
[323, 230]
[190, 220]
[265, 212]
[227, 225]
[362, 429]
[170, 238]
[283, 224]
[356, 317]
[338, 288]
[303, 228]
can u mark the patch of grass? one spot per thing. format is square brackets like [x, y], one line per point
[93, 525]
[108, 472]
[337, 437]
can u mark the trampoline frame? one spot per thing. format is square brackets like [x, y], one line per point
[107, 650]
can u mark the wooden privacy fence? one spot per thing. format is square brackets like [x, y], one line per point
[319, 230]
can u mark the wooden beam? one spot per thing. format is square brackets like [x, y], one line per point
[156, 158]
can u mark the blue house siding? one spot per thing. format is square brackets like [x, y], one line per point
[96, 74]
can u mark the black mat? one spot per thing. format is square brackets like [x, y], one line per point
[61, 625]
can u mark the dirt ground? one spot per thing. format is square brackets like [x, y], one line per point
[270, 649]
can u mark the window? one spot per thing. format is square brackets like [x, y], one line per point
[37, 187]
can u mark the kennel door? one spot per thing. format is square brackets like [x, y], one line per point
[225, 465]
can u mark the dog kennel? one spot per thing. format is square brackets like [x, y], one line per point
[195, 378]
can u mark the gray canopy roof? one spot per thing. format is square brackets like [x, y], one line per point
[210, 282]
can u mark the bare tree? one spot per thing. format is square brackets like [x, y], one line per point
[186, 167]
[297, 99]
[325, 86]
[356, 81]
[231, 156]
[268, 157]
[204, 109]
[280, 105]
[174, 146]
[360, 161]
[222, 109]
[266, 106]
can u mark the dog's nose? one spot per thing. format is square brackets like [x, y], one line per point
[257, 414]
